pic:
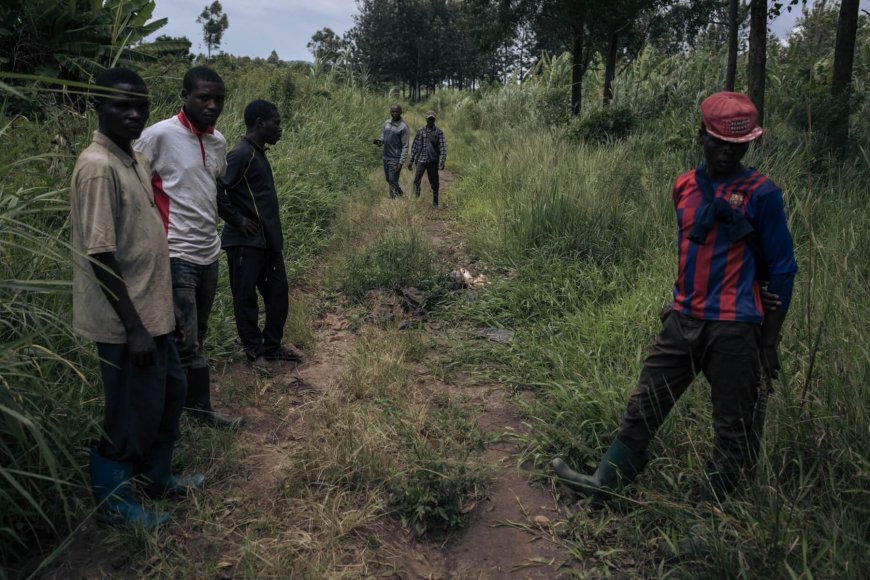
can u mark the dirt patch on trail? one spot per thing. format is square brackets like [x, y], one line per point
[511, 531]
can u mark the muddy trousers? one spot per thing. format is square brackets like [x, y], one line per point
[431, 169]
[193, 289]
[253, 270]
[728, 355]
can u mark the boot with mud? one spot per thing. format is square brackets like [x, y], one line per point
[158, 479]
[110, 481]
[198, 403]
[619, 467]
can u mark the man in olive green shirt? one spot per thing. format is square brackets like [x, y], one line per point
[122, 300]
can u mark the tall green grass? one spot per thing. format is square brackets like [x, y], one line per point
[580, 241]
[50, 394]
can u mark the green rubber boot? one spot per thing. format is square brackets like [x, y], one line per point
[619, 466]
[110, 481]
[159, 479]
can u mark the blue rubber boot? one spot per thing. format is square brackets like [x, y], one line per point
[619, 466]
[158, 478]
[110, 481]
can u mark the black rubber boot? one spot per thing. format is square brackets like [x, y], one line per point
[198, 403]
[619, 467]
[158, 477]
[110, 481]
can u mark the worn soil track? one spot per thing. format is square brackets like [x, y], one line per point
[512, 531]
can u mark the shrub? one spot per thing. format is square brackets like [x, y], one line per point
[395, 261]
[612, 123]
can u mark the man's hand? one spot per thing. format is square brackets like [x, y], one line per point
[770, 331]
[249, 227]
[378, 142]
[769, 300]
[410, 165]
[441, 165]
[141, 347]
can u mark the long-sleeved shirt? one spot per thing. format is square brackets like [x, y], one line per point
[395, 138]
[429, 145]
[718, 280]
[247, 190]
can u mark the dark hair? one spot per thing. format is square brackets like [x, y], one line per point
[112, 77]
[259, 109]
[199, 73]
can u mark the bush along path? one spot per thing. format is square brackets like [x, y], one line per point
[378, 456]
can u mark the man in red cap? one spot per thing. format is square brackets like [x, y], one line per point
[734, 285]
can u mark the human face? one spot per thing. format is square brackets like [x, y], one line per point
[396, 114]
[430, 121]
[204, 104]
[723, 157]
[122, 117]
[270, 128]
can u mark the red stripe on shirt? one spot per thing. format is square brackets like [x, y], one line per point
[703, 261]
[161, 200]
[733, 269]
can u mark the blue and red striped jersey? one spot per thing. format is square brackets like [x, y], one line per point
[718, 280]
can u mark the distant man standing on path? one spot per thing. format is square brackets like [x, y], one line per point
[733, 239]
[429, 152]
[395, 142]
[122, 300]
[254, 240]
[187, 157]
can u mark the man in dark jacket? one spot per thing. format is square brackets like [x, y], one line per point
[429, 152]
[253, 239]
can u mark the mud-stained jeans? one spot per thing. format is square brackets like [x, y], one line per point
[728, 355]
[193, 290]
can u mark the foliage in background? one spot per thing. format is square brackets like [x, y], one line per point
[50, 400]
[75, 39]
[578, 238]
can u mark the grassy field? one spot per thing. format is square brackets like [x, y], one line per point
[579, 240]
[574, 227]
[50, 401]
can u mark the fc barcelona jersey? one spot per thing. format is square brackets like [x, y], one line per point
[717, 280]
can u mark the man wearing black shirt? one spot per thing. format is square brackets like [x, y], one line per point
[253, 239]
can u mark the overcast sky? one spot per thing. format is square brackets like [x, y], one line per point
[257, 27]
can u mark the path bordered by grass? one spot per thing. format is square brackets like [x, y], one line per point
[376, 456]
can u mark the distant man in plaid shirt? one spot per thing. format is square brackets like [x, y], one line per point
[429, 152]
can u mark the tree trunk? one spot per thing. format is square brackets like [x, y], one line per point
[610, 67]
[844, 55]
[757, 54]
[731, 69]
[577, 70]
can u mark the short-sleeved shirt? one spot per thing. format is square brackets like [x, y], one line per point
[185, 166]
[113, 211]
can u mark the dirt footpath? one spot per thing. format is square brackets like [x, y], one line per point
[511, 531]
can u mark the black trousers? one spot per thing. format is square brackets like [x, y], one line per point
[143, 404]
[253, 270]
[431, 169]
[728, 355]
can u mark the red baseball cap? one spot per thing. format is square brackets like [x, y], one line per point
[731, 117]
